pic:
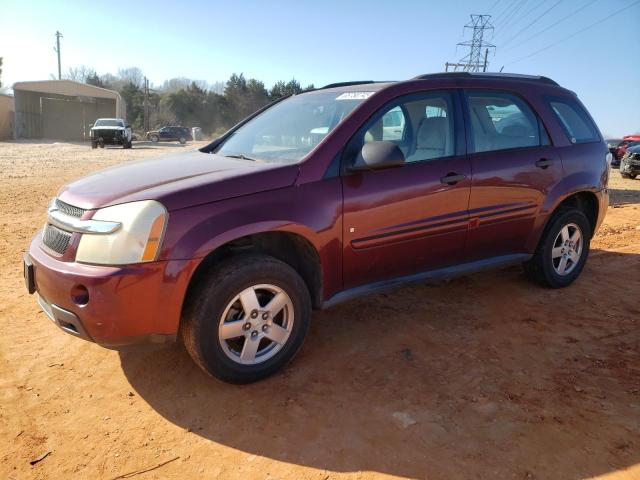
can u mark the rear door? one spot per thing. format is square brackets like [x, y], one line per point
[514, 167]
[413, 218]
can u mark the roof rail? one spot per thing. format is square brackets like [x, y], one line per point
[346, 84]
[515, 76]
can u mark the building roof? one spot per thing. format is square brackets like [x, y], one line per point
[66, 87]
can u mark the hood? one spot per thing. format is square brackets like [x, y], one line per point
[177, 181]
[635, 149]
[107, 128]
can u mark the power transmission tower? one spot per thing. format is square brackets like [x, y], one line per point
[57, 50]
[472, 62]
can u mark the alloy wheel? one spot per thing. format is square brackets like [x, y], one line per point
[567, 249]
[256, 324]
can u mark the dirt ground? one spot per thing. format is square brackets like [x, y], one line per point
[486, 376]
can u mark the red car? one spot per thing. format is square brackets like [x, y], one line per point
[619, 151]
[342, 191]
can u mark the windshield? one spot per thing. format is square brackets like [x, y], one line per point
[108, 122]
[286, 132]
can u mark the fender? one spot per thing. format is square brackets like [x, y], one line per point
[195, 232]
[568, 186]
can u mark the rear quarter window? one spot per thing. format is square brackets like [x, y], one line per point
[575, 121]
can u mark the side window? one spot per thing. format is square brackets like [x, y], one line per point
[421, 125]
[501, 121]
[575, 121]
[393, 123]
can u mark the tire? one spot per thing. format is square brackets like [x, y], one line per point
[155, 138]
[182, 140]
[127, 145]
[212, 305]
[545, 266]
[626, 175]
[94, 145]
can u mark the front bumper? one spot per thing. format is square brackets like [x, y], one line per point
[123, 305]
[630, 166]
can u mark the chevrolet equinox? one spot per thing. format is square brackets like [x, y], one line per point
[316, 199]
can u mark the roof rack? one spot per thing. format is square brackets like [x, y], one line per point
[515, 76]
[346, 84]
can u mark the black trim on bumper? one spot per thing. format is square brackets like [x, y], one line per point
[66, 320]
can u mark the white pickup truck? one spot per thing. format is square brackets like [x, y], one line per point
[110, 131]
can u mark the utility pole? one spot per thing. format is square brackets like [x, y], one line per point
[146, 104]
[471, 62]
[57, 49]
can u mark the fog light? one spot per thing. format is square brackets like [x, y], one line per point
[80, 295]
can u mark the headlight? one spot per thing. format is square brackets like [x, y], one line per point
[137, 240]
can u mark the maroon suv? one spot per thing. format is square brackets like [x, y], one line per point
[316, 199]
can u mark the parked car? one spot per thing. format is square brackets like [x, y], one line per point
[233, 245]
[630, 163]
[110, 131]
[612, 145]
[621, 149]
[170, 134]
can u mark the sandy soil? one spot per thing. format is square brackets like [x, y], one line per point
[486, 376]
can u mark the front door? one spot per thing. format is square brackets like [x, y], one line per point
[412, 218]
[514, 167]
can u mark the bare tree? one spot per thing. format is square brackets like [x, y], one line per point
[79, 73]
[131, 75]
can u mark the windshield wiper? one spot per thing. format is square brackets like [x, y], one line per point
[242, 157]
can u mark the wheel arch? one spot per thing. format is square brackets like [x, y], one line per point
[292, 248]
[585, 200]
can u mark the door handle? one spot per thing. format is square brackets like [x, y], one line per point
[544, 163]
[452, 178]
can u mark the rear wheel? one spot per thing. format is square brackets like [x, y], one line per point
[562, 251]
[182, 140]
[94, 145]
[248, 319]
[629, 175]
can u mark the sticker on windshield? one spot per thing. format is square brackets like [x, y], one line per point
[354, 95]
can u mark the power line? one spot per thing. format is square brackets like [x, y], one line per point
[510, 15]
[509, 6]
[534, 22]
[494, 6]
[524, 15]
[570, 15]
[617, 12]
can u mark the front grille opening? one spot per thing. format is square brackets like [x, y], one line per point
[69, 209]
[56, 239]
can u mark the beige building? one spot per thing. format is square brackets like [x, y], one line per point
[62, 109]
[6, 117]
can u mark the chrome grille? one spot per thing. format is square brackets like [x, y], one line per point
[69, 209]
[56, 239]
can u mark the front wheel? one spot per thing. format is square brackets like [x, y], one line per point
[182, 140]
[155, 138]
[248, 318]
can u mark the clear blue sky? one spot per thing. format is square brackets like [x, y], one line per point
[322, 42]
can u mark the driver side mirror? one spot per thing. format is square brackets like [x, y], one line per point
[378, 155]
[127, 126]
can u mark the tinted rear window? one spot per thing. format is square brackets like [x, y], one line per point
[575, 121]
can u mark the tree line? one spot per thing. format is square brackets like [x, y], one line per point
[182, 101]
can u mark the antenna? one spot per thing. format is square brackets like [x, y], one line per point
[472, 62]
